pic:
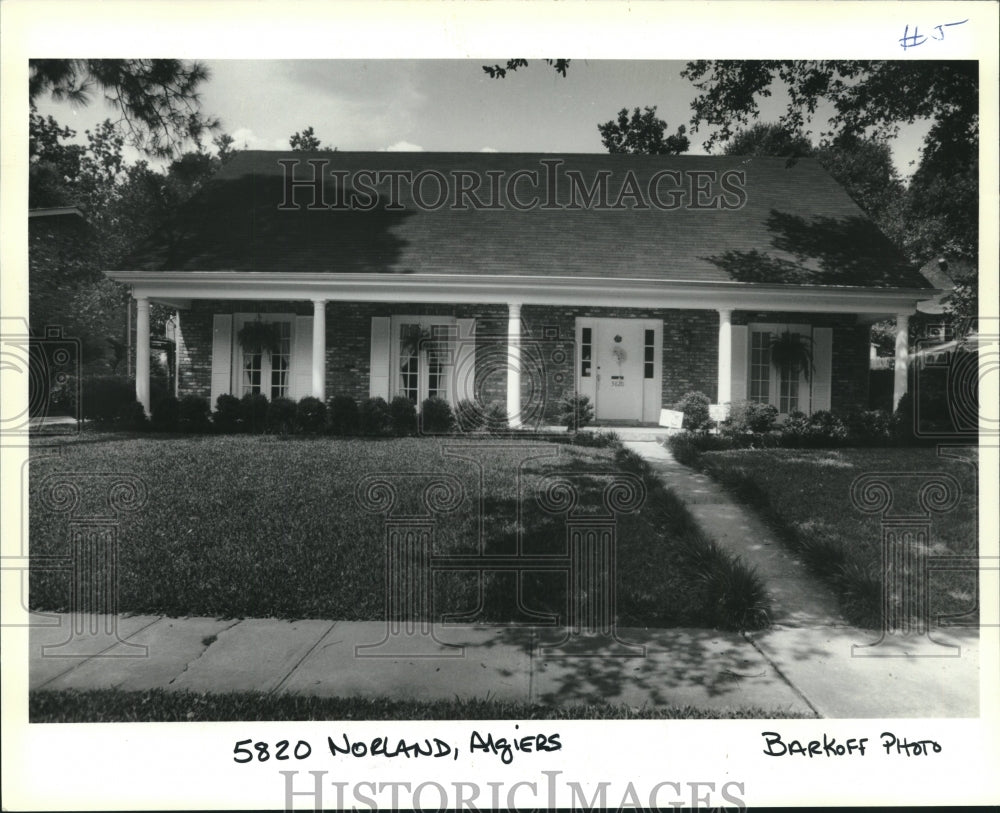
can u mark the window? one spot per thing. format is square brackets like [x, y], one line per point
[586, 349]
[768, 383]
[649, 355]
[267, 371]
[760, 367]
[424, 350]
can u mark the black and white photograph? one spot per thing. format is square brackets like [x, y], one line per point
[499, 415]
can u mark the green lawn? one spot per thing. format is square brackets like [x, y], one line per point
[158, 706]
[805, 495]
[245, 526]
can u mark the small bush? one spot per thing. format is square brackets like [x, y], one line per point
[575, 412]
[281, 416]
[166, 414]
[469, 416]
[826, 429]
[228, 414]
[687, 447]
[310, 416]
[253, 412]
[404, 415]
[374, 417]
[749, 416]
[903, 421]
[694, 405]
[872, 427]
[597, 440]
[193, 414]
[495, 419]
[105, 397]
[342, 415]
[131, 417]
[436, 416]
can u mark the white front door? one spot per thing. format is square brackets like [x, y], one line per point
[618, 354]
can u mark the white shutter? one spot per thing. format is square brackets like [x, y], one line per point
[740, 363]
[822, 372]
[222, 355]
[379, 371]
[463, 377]
[301, 362]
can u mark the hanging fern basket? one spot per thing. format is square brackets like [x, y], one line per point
[259, 337]
[792, 352]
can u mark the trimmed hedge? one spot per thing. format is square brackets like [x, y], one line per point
[310, 416]
[436, 416]
[342, 415]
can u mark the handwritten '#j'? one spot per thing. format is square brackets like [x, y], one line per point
[909, 40]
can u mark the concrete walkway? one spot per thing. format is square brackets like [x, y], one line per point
[809, 662]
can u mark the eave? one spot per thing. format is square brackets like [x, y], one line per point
[179, 287]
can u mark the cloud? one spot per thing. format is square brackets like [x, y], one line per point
[246, 138]
[489, 149]
[404, 146]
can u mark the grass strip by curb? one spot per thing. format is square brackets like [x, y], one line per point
[159, 706]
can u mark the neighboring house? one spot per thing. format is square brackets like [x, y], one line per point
[520, 278]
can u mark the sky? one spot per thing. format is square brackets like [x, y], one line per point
[445, 105]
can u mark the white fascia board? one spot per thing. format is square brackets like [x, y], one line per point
[525, 290]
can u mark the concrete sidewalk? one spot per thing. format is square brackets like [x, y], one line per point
[810, 662]
[782, 671]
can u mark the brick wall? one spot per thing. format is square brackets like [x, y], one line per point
[690, 354]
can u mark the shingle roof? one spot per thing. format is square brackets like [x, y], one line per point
[779, 222]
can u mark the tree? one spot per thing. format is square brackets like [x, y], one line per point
[643, 133]
[306, 141]
[498, 72]
[939, 212]
[224, 146]
[158, 98]
[769, 139]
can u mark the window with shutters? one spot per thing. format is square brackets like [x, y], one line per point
[770, 383]
[423, 348]
[265, 370]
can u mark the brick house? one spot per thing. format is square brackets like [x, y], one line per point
[519, 278]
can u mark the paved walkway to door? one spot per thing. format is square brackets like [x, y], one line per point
[840, 670]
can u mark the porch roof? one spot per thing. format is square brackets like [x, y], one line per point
[787, 223]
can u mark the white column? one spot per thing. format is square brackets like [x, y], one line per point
[899, 378]
[725, 389]
[142, 352]
[319, 349]
[514, 364]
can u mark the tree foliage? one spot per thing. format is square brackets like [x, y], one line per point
[306, 141]
[500, 71]
[938, 213]
[642, 133]
[158, 99]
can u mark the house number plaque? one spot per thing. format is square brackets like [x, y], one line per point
[617, 381]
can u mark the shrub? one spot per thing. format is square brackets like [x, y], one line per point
[310, 416]
[826, 429]
[575, 411]
[871, 427]
[495, 419]
[166, 414]
[193, 414]
[131, 417]
[404, 415]
[469, 416]
[903, 428]
[687, 447]
[342, 415]
[227, 415]
[62, 398]
[436, 416]
[105, 397]
[253, 412]
[281, 416]
[694, 405]
[597, 440]
[374, 417]
[749, 416]
[795, 430]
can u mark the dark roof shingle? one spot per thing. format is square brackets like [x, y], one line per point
[796, 224]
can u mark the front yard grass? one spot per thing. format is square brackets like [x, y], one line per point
[265, 526]
[805, 496]
[158, 706]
